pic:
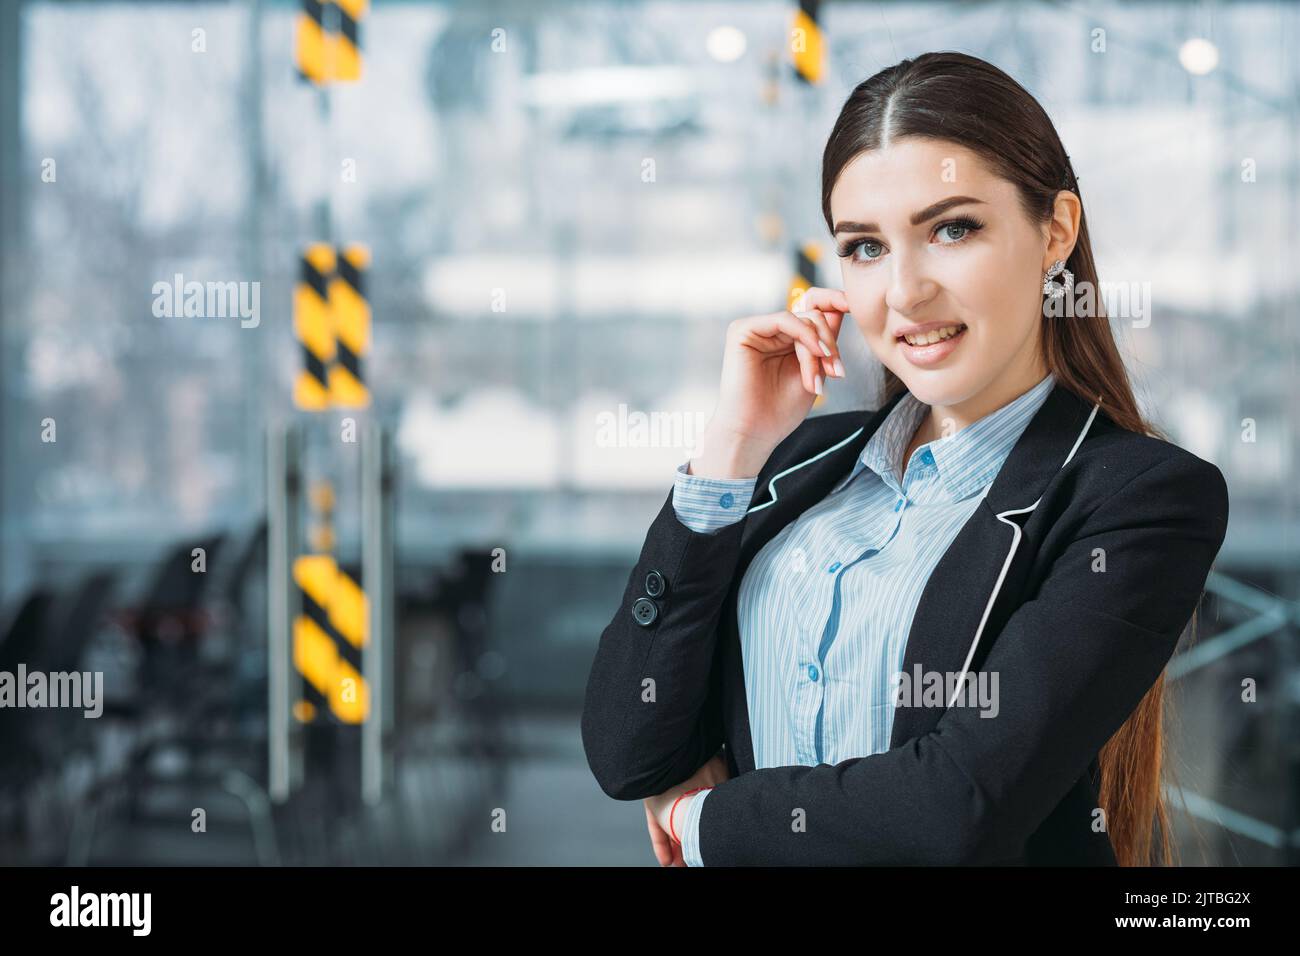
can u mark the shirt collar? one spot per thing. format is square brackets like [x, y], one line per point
[968, 459]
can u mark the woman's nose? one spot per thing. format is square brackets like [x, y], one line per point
[909, 288]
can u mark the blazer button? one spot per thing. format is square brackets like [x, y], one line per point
[655, 585]
[644, 611]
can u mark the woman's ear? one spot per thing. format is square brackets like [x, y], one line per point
[1063, 228]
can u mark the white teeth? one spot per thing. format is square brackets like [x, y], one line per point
[934, 335]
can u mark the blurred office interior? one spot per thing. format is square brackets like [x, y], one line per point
[559, 207]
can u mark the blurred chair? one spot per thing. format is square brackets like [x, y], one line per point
[195, 634]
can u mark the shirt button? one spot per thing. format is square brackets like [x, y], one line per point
[900, 503]
[812, 672]
[927, 457]
[832, 568]
[727, 500]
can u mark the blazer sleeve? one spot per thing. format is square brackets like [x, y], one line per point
[652, 714]
[1073, 662]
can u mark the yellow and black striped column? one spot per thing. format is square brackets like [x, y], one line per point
[331, 628]
[328, 48]
[347, 296]
[313, 325]
[807, 44]
[328, 637]
[332, 324]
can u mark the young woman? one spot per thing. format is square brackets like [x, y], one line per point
[934, 633]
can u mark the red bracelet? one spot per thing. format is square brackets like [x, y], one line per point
[671, 833]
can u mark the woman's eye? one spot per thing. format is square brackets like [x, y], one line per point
[870, 249]
[945, 231]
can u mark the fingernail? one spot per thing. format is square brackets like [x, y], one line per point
[826, 348]
[817, 384]
[839, 368]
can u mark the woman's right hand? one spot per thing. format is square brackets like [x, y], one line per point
[666, 851]
[773, 368]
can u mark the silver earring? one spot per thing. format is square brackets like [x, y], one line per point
[1053, 289]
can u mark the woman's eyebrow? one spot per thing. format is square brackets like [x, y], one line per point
[929, 212]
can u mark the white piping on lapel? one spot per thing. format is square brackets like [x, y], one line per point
[771, 485]
[1015, 543]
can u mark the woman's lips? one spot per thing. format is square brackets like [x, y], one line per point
[924, 356]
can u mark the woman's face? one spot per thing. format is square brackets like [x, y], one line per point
[928, 236]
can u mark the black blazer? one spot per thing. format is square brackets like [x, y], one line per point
[1073, 580]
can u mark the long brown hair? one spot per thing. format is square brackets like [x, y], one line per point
[962, 99]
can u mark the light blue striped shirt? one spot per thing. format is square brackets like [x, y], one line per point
[825, 609]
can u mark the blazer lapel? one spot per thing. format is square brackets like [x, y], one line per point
[798, 486]
[969, 592]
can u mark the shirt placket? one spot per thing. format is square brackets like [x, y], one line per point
[813, 743]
